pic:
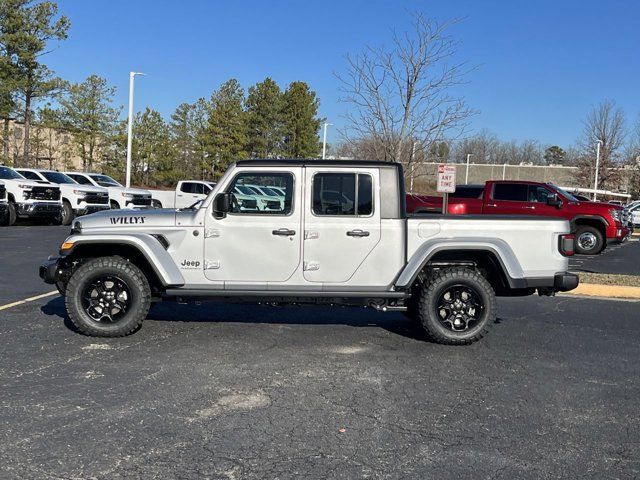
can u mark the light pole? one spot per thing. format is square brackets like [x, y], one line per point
[324, 140]
[130, 126]
[595, 184]
[466, 177]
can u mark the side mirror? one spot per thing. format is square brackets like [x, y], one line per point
[222, 203]
[554, 201]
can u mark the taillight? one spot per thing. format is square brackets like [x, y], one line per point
[566, 244]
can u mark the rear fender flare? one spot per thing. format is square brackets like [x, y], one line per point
[498, 247]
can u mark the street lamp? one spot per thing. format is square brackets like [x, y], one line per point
[595, 184]
[130, 126]
[324, 140]
[466, 177]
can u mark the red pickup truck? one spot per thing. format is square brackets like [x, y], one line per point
[594, 224]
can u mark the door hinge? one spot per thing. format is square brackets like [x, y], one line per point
[311, 234]
[211, 233]
[211, 264]
[309, 266]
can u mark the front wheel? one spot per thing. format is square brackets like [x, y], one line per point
[589, 240]
[12, 214]
[107, 297]
[67, 213]
[457, 306]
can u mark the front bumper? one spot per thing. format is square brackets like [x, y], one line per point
[89, 209]
[617, 234]
[39, 210]
[48, 270]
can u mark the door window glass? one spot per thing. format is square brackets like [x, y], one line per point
[346, 194]
[515, 192]
[247, 199]
[188, 187]
[538, 194]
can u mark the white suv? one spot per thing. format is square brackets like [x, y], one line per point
[29, 199]
[119, 196]
[77, 199]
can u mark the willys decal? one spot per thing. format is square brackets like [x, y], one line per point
[127, 220]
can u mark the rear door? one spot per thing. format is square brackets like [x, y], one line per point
[341, 222]
[507, 199]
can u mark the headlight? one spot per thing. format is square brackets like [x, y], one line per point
[25, 187]
[615, 214]
[127, 195]
[80, 193]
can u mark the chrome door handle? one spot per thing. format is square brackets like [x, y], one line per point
[530, 207]
[357, 233]
[283, 232]
[491, 205]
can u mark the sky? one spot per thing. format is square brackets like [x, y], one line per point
[542, 65]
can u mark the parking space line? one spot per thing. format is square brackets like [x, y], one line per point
[27, 300]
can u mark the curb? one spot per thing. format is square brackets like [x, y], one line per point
[606, 291]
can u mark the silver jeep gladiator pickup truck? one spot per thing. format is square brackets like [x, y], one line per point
[341, 236]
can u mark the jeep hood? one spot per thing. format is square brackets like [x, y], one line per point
[118, 219]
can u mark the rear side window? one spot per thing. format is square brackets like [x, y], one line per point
[345, 194]
[515, 192]
[467, 192]
[190, 187]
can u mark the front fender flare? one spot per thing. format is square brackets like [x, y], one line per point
[499, 248]
[159, 259]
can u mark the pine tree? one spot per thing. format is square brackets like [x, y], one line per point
[152, 151]
[86, 111]
[264, 119]
[301, 122]
[227, 127]
[26, 30]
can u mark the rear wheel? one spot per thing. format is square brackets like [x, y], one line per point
[589, 240]
[457, 306]
[67, 213]
[107, 297]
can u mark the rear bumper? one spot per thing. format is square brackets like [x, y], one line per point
[565, 281]
[560, 282]
[38, 209]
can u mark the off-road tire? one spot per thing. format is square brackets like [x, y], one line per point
[104, 266]
[437, 285]
[12, 214]
[587, 229]
[67, 214]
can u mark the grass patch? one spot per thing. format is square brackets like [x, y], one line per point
[609, 279]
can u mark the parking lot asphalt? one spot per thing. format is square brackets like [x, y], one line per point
[22, 250]
[255, 392]
[620, 259]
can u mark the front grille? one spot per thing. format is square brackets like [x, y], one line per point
[141, 200]
[97, 198]
[45, 193]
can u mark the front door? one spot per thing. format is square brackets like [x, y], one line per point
[248, 246]
[342, 222]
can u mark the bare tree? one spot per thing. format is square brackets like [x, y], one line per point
[400, 97]
[605, 123]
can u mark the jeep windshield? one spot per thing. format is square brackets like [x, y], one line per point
[7, 173]
[57, 177]
[105, 180]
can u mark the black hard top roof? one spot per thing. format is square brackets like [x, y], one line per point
[314, 163]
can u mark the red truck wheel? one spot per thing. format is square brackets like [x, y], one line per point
[589, 240]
